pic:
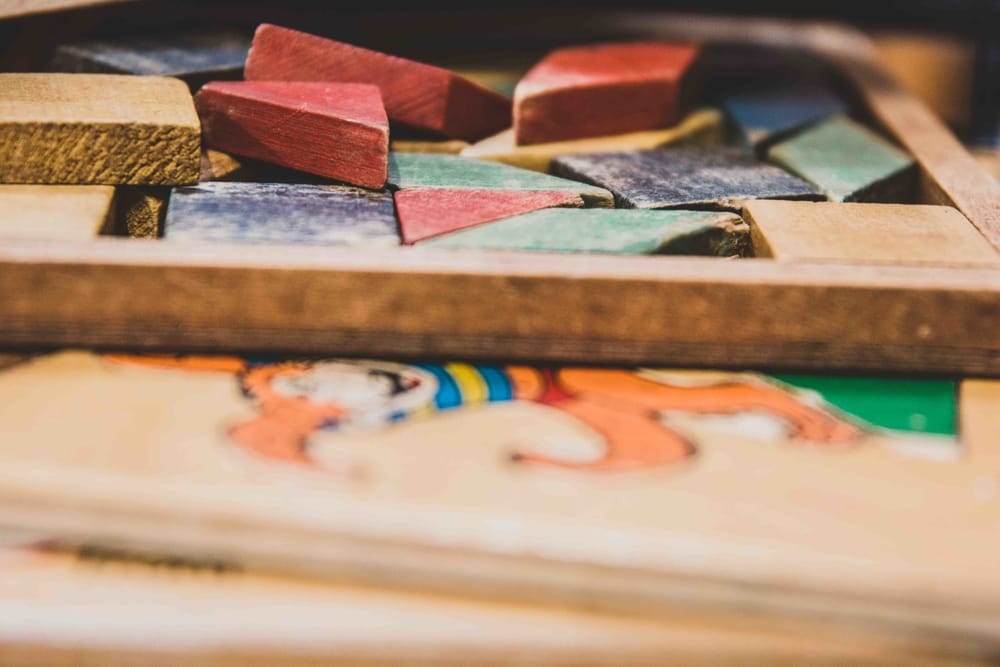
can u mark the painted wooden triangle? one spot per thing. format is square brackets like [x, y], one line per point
[427, 212]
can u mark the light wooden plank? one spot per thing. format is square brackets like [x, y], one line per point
[871, 233]
[56, 212]
[980, 420]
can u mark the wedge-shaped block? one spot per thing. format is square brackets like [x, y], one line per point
[56, 212]
[335, 130]
[102, 129]
[196, 57]
[141, 210]
[704, 126]
[619, 231]
[891, 233]
[687, 177]
[415, 94]
[848, 162]
[427, 212]
[424, 170]
[593, 91]
[766, 114]
[447, 147]
[281, 213]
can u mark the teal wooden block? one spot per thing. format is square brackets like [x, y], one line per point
[618, 231]
[428, 170]
[848, 162]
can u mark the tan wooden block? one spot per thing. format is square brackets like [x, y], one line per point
[220, 166]
[980, 419]
[143, 210]
[849, 232]
[450, 146]
[704, 126]
[97, 129]
[55, 212]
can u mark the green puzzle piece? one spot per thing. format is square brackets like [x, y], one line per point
[618, 231]
[848, 162]
[915, 406]
[430, 170]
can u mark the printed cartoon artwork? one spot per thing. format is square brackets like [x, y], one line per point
[636, 414]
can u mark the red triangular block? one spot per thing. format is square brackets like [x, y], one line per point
[336, 130]
[415, 94]
[427, 212]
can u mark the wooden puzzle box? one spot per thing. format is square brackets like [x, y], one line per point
[831, 286]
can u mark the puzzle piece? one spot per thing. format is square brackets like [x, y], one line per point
[686, 177]
[594, 91]
[336, 130]
[892, 233]
[423, 170]
[427, 212]
[767, 114]
[618, 231]
[704, 126]
[56, 212]
[143, 210]
[415, 94]
[848, 162]
[97, 129]
[281, 213]
[194, 57]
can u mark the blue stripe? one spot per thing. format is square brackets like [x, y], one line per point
[498, 384]
[448, 394]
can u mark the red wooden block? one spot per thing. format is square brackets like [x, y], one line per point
[335, 130]
[427, 212]
[415, 94]
[593, 91]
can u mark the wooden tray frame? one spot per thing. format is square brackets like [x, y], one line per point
[676, 311]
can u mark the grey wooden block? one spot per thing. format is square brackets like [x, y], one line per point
[281, 213]
[687, 177]
[195, 57]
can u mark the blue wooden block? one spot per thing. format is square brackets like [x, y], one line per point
[195, 57]
[764, 115]
[281, 213]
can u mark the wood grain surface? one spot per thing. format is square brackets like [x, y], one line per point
[97, 129]
[56, 212]
[142, 210]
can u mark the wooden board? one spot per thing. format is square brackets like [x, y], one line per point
[686, 177]
[280, 213]
[416, 170]
[415, 94]
[703, 126]
[110, 606]
[621, 231]
[196, 57]
[690, 481]
[428, 212]
[764, 115]
[869, 233]
[56, 212]
[602, 89]
[848, 162]
[336, 130]
[122, 129]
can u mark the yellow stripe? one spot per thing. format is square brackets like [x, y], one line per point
[470, 383]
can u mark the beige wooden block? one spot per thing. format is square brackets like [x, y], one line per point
[55, 212]
[143, 210]
[980, 419]
[891, 233]
[704, 126]
[97, 129]
[219, 166]
[451, 146]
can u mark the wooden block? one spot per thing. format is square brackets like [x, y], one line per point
[220, 166]
[336, 130]
[848, 162]
[143, 210]
[193, 57]
[281, 213]
[97, 129]
[979, 401]
[688, 177]
[594, 91]
[767, 114]
[703, 126]
[428, 212]
[415, 94]
[503, 80]
[56, 212]
[618, 231]
[892, 233]
[448, 147]
[421, 170]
